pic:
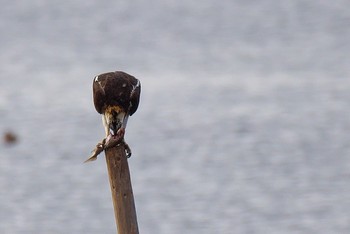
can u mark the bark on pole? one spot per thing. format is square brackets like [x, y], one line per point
[122, 195]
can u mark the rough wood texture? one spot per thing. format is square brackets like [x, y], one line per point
[122, 195]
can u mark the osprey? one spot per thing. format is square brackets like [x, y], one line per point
[116, 96]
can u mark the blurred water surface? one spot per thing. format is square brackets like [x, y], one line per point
[242, 128]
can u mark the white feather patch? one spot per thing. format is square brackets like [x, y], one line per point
[105, 124]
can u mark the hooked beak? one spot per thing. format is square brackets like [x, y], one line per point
[115, 135]
[113, 129]
[111, 132]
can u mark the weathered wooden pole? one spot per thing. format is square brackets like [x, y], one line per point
[122, 195]
[116, 96]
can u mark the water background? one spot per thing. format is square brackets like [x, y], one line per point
[243, 125]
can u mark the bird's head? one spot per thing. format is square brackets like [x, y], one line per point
[114, 125]
[115, 122]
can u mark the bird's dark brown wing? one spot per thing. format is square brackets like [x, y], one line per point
[135, 98]
[98, 92]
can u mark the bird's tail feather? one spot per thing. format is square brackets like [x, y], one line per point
[92, 158]
[98, 149]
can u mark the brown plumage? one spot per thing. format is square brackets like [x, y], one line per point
[116, 89]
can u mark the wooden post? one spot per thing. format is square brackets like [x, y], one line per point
[122, 195]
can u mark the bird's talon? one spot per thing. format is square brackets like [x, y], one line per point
[128, 154]
[127, 150]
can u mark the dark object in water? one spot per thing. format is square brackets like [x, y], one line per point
[10, 137]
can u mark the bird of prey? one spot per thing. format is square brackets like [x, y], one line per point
[116, 96]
